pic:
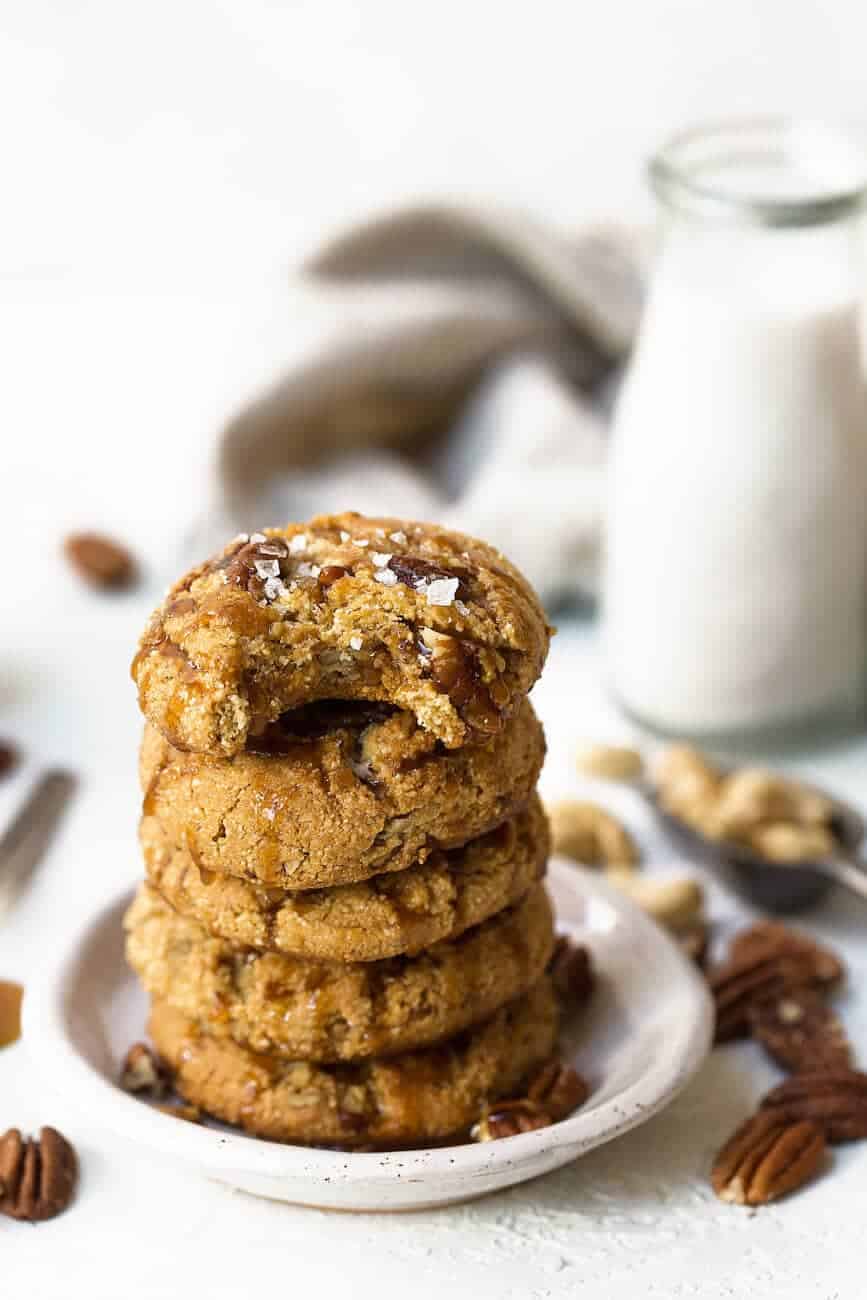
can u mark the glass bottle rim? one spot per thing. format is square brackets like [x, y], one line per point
[691, 173]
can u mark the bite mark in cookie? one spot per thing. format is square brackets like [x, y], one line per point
[437, 623]
[335, 793]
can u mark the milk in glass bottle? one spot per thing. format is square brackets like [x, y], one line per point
[736, 555]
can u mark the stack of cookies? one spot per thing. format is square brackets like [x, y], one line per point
[343, 929]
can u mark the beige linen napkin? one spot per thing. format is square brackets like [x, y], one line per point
[461, 380]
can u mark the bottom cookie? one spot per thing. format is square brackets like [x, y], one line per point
[418, 1097]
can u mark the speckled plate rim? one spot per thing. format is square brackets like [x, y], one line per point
[450, 1172]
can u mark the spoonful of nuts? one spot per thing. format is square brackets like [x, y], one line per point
[783, 841]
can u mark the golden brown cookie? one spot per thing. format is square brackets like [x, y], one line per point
[401, 912]
[411, 1099]
[347, 791]
[343, 607]
[338, 1011]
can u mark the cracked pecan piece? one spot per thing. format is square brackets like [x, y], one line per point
[347, 608]
[800, 1031]
[572, 973]
[143, 1073]
[773, 937]
[741, 982]
[767, 1158]
[836, 1099]
[554, 1092]
[508, 1119]
[37, 1176]
[558, 1089]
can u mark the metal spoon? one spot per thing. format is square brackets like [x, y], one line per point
[776, 886]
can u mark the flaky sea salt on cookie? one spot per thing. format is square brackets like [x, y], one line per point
[342, 608]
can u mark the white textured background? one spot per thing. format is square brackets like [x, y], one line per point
[163, 167]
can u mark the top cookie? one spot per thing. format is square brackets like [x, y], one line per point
[341, 608]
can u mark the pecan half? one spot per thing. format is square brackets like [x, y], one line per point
[508, 1118]
[571, 970]
[773, 937]
[741, 982]
[101, 561]
[767, 1158]
[800, 1031]
[835, 1099]
[143, 1072]
[37, 1178]
[558, 1089]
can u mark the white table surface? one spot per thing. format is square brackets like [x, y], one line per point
[163, 169]
[635, 1218]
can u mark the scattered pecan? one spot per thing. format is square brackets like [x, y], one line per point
[558, 1089]
[773, 937]
[571, 969]
[740, 982]
[101, 561]
[836, 1099]
[143, 1072]
[767, 1158]
[507, 1118]
[8, 757]
[37, 1178]
[11, 995]
[800, 1031]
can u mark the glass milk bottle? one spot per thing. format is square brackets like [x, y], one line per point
[736, 555]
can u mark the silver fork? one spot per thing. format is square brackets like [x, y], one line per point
[26, 839]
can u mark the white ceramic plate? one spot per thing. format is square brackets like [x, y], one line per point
[647, 1031]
